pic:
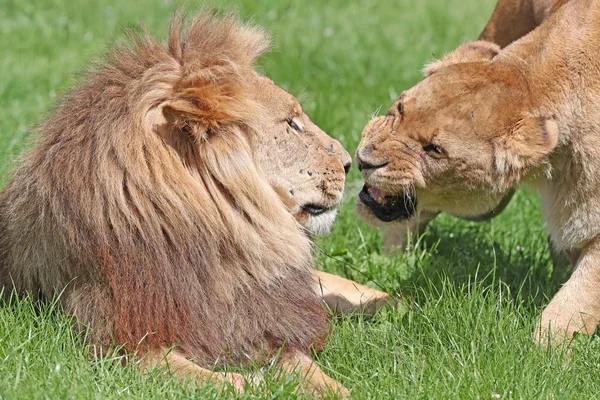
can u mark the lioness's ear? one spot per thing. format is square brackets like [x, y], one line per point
[530, 141]
[465, 53]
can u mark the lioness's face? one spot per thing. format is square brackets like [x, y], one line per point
[446, 145]
[305, 166]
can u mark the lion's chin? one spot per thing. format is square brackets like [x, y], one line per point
[320, 224]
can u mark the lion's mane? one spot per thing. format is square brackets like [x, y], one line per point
[163, 241]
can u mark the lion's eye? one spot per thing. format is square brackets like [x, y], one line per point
[294, 125]
[433, 150]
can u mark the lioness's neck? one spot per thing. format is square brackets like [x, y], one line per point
[557, 60]
[560, 65]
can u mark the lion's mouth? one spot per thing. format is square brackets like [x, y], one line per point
[385, 207]
[316, 209]
[318, 219]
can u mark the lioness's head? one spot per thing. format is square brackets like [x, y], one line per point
[221, 110]
[459, 141]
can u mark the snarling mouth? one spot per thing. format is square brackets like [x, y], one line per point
[388, 208]
[316, 209]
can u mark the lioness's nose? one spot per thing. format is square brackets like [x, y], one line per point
[364, 164]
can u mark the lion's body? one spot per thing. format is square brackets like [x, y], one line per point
[525, 114]
[144, 200]
[102, 208]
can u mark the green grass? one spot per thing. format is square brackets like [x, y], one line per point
[474, 289]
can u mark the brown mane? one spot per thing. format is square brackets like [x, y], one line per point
[163, 236]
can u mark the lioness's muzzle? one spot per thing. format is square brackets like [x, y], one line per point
[392, 208]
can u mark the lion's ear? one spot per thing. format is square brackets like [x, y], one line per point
[530, 141]
[465, 53]
[207, 104]
[210, 106]
[182, 119]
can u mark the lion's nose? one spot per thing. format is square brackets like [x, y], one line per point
[347, 167]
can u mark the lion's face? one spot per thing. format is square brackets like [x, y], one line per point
[236, 130]
[305, 166]
[458, 142]
[230, 117]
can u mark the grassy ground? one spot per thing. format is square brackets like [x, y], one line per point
[475, 289]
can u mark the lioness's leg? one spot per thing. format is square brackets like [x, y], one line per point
[576, 306]
[343, 295]
[573, 255]
[313, 379]
[185, 369]
[397, 235]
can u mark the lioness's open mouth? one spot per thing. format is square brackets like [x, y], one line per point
[388, 208]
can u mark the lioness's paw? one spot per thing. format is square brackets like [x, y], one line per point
[559, 322]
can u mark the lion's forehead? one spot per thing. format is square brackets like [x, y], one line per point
[274, 96]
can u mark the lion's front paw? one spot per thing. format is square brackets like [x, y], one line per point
[345, 296]
[361, 300]
[376, 303]
[237, 381]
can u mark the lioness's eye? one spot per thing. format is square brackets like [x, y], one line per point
[401, 108]
[433, 150]
[294, 125]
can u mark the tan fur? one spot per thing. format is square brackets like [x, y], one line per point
[345, 296]
[468, 52]
[169, 195]
[511, 20]
[526, 115]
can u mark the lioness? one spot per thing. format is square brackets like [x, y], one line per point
[511, 20]
[171, 196]
[473, 130]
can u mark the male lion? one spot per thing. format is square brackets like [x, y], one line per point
[511, 20]
[473, 130]
[171, 194]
